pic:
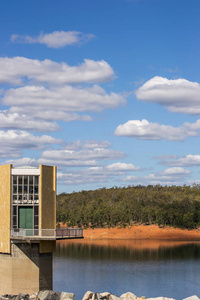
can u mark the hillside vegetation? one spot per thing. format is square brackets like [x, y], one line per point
[173, 206]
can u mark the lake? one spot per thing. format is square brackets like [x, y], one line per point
[145, 268]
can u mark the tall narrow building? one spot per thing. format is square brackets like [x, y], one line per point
[27, 228]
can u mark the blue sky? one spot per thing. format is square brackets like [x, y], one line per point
[106, 90]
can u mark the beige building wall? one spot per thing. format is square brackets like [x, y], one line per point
[5, 208]
[47, 213]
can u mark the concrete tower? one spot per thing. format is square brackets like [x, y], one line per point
[27, 228]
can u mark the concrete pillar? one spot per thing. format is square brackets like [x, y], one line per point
[25, 270]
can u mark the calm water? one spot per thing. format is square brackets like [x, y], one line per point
[151, 269]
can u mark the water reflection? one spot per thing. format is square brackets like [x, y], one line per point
[128, 250]
[150, 268]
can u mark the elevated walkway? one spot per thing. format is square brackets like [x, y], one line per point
[69, 233]
[34, 235]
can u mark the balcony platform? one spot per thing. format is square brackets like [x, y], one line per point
[30, 239]
[69, 233]
[32, 235]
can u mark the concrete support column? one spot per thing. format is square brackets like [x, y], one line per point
[25, 270]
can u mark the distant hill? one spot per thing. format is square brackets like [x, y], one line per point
[175, 206]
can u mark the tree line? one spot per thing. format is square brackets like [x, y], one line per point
[177, 206]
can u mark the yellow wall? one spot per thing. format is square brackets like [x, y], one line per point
[47, 246]
[47, 215]
[5, 208]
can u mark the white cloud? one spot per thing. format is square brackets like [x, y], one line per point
[13, 142]
[170, 176]
[25, 161]
[41, 120]
[82, 157]
[184, 161]
[146, 130]
[131, 179]
[55, 39]
[113, 169]
[123, 167]
[177, 171]
[66, 99]
[178, 95]
[80, 177]
[56, 100]
[96, 174]
[81, 154]
[91, 144]
[25, 122]
[14, 70]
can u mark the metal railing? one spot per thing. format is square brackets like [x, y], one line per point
[69, 232]
[20, 232]
[47, 233]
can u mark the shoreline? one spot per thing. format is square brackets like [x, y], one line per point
[141, 232]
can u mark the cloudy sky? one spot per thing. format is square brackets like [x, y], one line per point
[106, 90]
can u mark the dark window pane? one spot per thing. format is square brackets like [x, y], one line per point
[30, 189]
[19, 179]
[14, 197]
[35, 220]
[31, 180]
[19, 189]
[36, 190]
[14, 220]
[25, 189]
[36, 180]
[14, 210]
[14, 189]
[26, 180]
[14, 179]
[36, 210]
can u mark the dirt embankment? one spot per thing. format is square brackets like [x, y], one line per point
[152, 232]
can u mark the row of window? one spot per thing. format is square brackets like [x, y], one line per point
[25, 180]
[25, 189]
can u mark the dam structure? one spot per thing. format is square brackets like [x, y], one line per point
[27, 228]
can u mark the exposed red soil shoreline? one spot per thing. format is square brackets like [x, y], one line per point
[137, 232]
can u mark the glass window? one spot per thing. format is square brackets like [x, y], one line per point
[19, 189]
[14, 179]
[14, 189]
[25, 189]
[30, 189]
[14, 220]
[14, 210]
[30, 197]
[20, 180]
[36, 180]
[36, 210]
[30, 180]
[26, 180]
[36, 220]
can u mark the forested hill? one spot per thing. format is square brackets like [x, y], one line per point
[174, 206]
